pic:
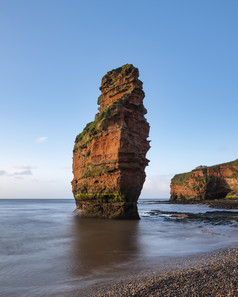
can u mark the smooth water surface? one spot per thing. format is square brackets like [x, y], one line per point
[45, 248]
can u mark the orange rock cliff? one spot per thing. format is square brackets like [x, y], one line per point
[207, 183]
[109, 156]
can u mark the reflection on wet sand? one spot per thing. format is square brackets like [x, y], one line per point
[102, 244]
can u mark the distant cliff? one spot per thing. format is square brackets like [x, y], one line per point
[207, 183]
[109, 156]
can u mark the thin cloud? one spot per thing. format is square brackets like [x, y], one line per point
[157, 186]
[20, 167]
[24, 172]
[41, 139]
[16, 177]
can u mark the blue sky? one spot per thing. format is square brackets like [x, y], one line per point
[53, 55]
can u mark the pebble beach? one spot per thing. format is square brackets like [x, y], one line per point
[214, 274]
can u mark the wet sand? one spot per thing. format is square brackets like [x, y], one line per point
[214, 274]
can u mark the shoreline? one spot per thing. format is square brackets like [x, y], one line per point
[216, 203]
[211, 274]
[207, 274]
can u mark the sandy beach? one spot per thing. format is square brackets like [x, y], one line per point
[214, 274]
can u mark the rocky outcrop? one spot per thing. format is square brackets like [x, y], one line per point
[109, 156]
[207, 183]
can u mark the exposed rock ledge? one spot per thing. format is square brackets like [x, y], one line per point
[109, 156]
[206, 183]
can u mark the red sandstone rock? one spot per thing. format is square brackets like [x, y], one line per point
[109, 156]
[202, 183]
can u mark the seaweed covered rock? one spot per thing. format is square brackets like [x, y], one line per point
[206, 183]
[109, 156]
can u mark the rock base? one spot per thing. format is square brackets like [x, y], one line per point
[110, 210]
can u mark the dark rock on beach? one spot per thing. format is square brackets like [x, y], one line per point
[216, 203]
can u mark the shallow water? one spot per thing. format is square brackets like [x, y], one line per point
[45, 248]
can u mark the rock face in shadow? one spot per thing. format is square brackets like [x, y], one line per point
[109, 156]
[207, 183]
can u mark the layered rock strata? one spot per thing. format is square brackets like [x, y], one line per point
[207, 183]
[109, 156]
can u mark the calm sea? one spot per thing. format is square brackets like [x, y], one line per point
[46, 249]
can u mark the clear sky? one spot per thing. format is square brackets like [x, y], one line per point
[53, 54]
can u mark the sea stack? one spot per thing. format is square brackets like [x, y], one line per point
[206, 183]
[109, 156]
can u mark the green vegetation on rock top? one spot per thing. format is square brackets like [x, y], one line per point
[111, 76]
[122, 68]
[181, 178]
[232, 163]
[201, 167]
